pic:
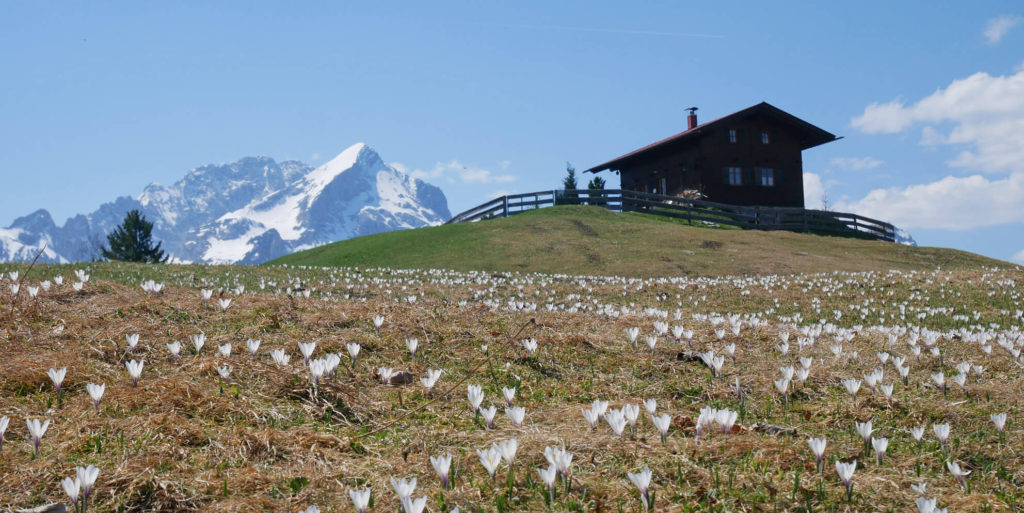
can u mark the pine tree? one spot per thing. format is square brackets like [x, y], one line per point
[596, 184]
[132, 241]
[569, 183]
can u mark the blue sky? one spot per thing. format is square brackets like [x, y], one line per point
[479, 97]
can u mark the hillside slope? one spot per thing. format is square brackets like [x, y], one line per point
[591, 240]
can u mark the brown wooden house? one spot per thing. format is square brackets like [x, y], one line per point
[750, 157]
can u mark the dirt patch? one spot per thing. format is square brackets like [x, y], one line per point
[584, 228]
[711, 244]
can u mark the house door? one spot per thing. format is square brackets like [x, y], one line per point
[663, 186]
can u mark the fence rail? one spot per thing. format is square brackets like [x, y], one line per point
[753, 218]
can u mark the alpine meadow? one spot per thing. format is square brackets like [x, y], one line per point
[284, 388]
[512, 257]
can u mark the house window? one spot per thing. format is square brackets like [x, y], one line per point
[735, 176]
[767, 177]
[764, 137]
[732, 136]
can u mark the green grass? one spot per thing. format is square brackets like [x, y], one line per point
[591, 240]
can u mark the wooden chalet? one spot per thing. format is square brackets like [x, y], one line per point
[751, 157]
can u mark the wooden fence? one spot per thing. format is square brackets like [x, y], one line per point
[693, 211]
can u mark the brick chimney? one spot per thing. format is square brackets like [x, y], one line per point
[691, 119]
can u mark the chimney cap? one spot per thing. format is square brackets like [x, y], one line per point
[693, 110]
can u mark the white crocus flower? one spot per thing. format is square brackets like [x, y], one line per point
[475, 394]
[36, 430]
[845, 471]
[198, 341]
[96, 393]
[442, 465]
[941, 432]
[642, 481]
[616, 420]
[4, 422]
[818, 448]
[174, 348]
[960, 474]
[548, 475]
[135, 370]
[72, 487]
[516, 414]
[353, 351]
[510, 395]
[225, 372]
[489, 458]
[662, 424]
[999, 419]
[133, 340]
[280, 357]
[879, 445]
[403, 487]
[307, 350]
[530, 345]
[57, 377]
[432, 376]
[488, 414]
[360, 499]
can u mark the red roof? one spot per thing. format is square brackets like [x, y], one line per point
[815, 136]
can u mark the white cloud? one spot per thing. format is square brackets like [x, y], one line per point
[456, 171]
[998, 27]
[1019, 257]
[952, 203]
[987, 114]
[856, 163]
[883, 118]
[814, 191]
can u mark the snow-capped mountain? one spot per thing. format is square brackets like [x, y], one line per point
[904, 237]
[247, 212]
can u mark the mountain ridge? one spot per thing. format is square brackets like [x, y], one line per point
[247, 211]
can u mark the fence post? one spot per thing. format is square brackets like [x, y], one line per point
[504, 204]
[554, 198]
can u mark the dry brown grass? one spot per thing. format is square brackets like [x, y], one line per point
[183, 441]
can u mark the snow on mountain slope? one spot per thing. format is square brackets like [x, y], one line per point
[248, 211]
[904, 237]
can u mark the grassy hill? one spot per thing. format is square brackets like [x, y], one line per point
[591, 240]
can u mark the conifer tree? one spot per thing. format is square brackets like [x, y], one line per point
[596, 184]
[568, 184]
[132, 241]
